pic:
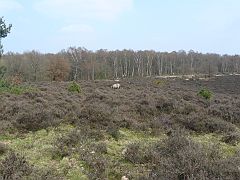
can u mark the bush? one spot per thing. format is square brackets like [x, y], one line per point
[166, 105]
[205, 124]
[188, 109]
[113, 130]
[137, 153]
[11, 87]
[15, 166]
[180, 158]
[31, 120]
[229, 113]
[145, 108]
[231, 138]
[3, 70]
[74, 87]
[205, 93]
[87, 143]
[97, 164]
[98, 147]
[131, 153]
[159, 82]
[94, 156]
[96, 116]
[48, 173]
[3, 148]
[4, 84]
[67, 144]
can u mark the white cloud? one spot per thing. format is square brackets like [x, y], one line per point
[77, 28]
[9, 5]
[79, 9]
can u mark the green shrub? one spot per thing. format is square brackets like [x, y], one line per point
[3, 70]
[74, 87]
[159, 82]
[4, 84]
[7, 86]
[205, 93]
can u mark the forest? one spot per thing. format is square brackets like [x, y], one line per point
[82, 64]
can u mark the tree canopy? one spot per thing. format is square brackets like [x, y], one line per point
[4, 31]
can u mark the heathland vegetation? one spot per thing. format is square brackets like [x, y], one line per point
[148, 129]
[60, 118]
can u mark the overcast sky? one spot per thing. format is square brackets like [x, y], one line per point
[162, 25]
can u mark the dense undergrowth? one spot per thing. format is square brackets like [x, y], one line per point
[148, 129]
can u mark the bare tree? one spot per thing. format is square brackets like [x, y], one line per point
[34, 59]
[76, 57]
[105, 64]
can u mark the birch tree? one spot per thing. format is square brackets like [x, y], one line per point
[76, 57]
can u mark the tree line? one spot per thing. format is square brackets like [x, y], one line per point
[82, 64]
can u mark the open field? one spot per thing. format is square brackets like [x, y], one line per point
[150, 128]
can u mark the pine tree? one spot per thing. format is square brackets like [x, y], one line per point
[4, 31]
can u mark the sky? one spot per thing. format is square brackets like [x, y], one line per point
[207, 26]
